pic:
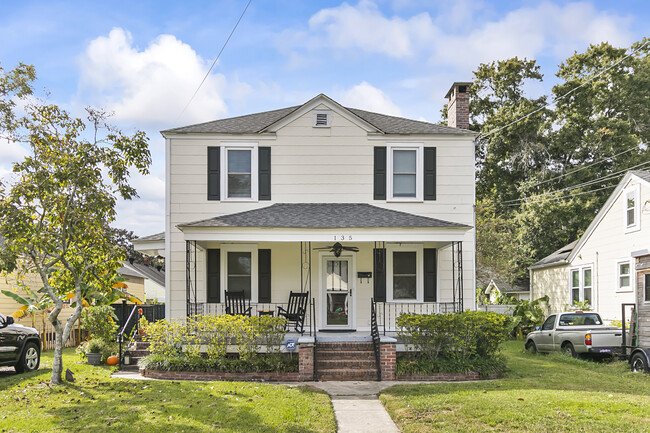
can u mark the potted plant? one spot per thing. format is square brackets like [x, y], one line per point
[94, 350]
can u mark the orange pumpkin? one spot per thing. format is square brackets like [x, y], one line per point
[112, 360]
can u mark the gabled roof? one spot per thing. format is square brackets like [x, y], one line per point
[258, 123]
[520, 285]
[643, 175]
[556, 258]
[323, 215]
[155, 237]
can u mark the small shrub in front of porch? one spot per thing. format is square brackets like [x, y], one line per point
[453, 343]
[203, 343]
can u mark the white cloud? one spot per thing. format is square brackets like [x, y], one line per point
[367, 97]
[152, 86]
[364, 26]
[11, 151]
[458, 36]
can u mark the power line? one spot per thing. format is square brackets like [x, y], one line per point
[215, 60]
[563, 96]
[562, 198]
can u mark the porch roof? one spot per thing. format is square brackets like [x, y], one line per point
[323, 216]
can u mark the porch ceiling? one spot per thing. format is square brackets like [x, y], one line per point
[317, 222]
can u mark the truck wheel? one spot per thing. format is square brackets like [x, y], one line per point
[30, 360]
[639, 364]
[567, 349]
[530, 347]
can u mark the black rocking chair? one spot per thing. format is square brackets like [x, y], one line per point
[237, 304]
[296, 310]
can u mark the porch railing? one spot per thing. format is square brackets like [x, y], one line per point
[388, 312]
[203, 308]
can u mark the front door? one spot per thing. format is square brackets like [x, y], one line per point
[337, 288]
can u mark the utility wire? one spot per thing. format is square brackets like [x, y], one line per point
[562, 198]
[215, 60]
[563, 96]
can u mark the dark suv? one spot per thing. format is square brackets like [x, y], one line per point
[20, 346]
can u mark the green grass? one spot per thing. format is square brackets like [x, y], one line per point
[95, 402]
[539, 393]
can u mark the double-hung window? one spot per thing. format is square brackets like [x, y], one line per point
[239, 172]
[405, 171]
[647, 288]
[581, 285]
[239, 269]
[624, 277]
[631, 204]
[405, 275]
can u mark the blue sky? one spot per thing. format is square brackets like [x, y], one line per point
[144, 59]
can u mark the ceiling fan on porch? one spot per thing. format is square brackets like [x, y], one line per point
[337, 249]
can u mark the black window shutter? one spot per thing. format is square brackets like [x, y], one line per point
[379, 268]
[429, 173]
[264, 166]
[430, 275]
[214, 187]
[380, 174]
[214, 276]
[264, 276]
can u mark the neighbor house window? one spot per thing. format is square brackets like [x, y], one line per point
[624, 275]
[240, 175]
[404, 273]
[239, 269]
[581, 285]
[631, 196]
[647, 287]
[405, 172]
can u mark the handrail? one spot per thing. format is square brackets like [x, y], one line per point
[374, 333]
[120, 335]
[312, 325]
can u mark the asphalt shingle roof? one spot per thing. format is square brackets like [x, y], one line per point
[143, 271]
[323, 215]
[643, 174]
[556, 257]
[155, 237]
[258, 122]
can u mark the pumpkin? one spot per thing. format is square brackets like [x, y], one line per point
[112, 360]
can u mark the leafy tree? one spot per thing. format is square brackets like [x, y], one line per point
[542, 180]
[14, 83]
[57, 216]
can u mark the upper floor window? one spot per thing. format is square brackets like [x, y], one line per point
[631, 196]
[239, 172]
[405, 172]
[624, 275]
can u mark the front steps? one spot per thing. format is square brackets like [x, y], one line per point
[138, 350]
[345, 361]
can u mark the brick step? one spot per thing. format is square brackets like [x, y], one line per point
[141, 345]
[350, 346]
[347, 374]
[345, 355]
[139, 353]
[327, 364]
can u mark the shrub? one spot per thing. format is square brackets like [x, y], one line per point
[215, 334]
[261, 363]
[414, 363]
[455, 336]
[100, 322]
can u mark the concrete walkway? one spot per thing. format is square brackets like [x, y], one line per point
[356, 403]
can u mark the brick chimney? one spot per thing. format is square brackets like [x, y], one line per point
[458, 105]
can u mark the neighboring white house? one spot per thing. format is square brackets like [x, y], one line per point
[144, 281]
[347, 204]
[598, 269]
[519, 289]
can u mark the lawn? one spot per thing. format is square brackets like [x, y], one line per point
[539, 393]
[95, 402]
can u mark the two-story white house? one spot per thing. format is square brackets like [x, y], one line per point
[348, 205]
[598, 270]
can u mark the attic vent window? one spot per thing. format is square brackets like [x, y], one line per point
[462, 89]
[321, 119]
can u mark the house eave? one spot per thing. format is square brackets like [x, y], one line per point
[548, 265]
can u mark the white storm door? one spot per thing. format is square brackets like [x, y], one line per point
[337, 289]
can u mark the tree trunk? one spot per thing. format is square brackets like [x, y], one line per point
[57, 363]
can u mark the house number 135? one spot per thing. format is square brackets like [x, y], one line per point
[342, 237]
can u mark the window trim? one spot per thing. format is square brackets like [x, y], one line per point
[581, 284]
[419, 271]
[240, 248]
[629, 288]
[253, 147]
[419, 171]
[636, 192]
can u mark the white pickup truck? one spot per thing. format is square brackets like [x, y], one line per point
[575, 333]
